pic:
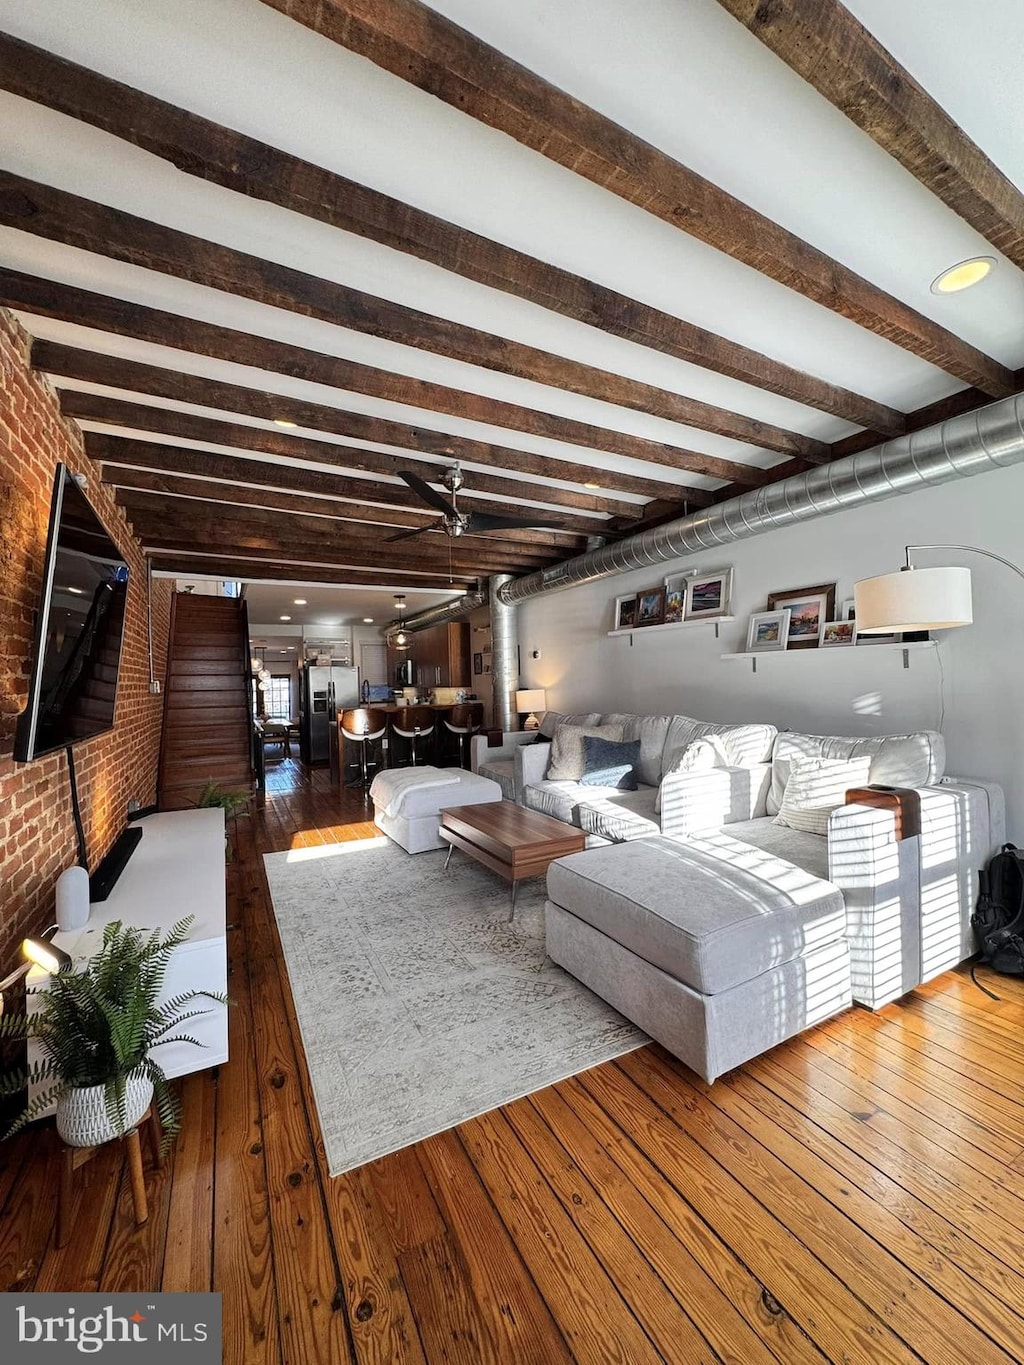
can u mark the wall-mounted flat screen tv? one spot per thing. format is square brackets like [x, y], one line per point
[76, 656]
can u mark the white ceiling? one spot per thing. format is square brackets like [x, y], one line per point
[327, 607]
[680, 73]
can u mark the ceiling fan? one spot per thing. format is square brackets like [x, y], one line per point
[453, 522]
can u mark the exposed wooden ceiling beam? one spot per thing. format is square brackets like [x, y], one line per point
[244, 538]
[67, 218]
[421, 46]
[87, 309]
[220, 155]
[113, 452]
[91, 366]
[228, 523]
[263, 545]
[185, 564]
[386, 520]
[823, 42]
[188, 426]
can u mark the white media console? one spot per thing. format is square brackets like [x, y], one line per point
[177, 870]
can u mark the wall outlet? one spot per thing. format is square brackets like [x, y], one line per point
[134, 804]
[154, 688]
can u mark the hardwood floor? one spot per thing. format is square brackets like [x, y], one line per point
[856, 1195]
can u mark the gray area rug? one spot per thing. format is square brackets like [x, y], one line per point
[419, 1005]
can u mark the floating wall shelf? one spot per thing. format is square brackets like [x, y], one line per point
[755, 654]
[715, 621]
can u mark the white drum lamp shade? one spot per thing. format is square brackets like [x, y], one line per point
[913, 599]
[531, 700]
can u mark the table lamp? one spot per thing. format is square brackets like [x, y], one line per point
[531, 700]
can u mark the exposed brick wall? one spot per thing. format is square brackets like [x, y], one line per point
[37, 836]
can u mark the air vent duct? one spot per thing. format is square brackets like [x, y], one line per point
[991, 438]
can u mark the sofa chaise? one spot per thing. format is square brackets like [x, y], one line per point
[905, 901]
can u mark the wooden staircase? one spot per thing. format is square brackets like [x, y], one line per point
[207, 724]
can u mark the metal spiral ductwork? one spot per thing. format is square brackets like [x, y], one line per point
[435, 616]
[991, 438]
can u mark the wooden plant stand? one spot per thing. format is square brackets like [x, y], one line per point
[73, 1157]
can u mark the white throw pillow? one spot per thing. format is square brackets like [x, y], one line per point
[565, 762]
[702, 755]
[698, 757]
[816, 787]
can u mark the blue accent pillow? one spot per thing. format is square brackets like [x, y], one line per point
[609, 763]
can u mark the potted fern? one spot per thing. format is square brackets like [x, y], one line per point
[96, 1028]
[232, 802]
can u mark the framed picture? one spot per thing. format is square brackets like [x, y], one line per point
[768, 630]
[675, 600]
[650, 607]
[478, 664]
[708, 594]
[835, 633]
[848, 611]
[625, 612]
[808, 608]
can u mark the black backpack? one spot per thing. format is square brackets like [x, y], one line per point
[998, 919]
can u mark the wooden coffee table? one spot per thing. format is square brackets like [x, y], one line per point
[513, 842]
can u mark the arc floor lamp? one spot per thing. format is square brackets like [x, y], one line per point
[919, 599]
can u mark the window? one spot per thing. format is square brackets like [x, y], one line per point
[277, 699]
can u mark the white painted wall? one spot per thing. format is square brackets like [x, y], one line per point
[970, 687]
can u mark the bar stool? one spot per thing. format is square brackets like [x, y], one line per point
[363, 726]
[462, 721]
[413, 723]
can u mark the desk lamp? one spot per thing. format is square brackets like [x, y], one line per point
[38, 952]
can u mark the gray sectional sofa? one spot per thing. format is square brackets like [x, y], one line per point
[741, 878]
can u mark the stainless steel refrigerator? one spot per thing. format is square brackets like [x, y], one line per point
[325, 690]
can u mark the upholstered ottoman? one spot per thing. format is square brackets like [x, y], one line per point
[407, 802]
[717, 949]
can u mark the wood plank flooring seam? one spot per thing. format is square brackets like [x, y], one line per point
[875, 1262]
[589, 1111]
[878, 1337]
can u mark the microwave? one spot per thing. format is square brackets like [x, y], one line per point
[403, 673]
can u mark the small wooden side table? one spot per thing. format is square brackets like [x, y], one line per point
[73, 1157]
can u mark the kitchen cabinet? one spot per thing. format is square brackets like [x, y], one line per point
[441, 656]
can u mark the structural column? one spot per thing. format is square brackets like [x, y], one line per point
[504, 653]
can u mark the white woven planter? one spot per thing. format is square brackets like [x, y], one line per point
[82, 1119]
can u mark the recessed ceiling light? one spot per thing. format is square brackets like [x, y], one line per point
[284, 422]
[367, 620]
[285, 618]
[299, 601]
[289, 647]
[962, 276]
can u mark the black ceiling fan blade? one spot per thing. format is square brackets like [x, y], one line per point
[416, 531]
[493, 521]
[428, 494]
